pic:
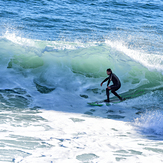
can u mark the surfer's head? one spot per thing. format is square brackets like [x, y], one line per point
[108, 71]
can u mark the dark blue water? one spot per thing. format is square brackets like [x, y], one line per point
[85, 20]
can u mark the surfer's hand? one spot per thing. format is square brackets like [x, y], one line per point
[101, 84]
[109, 88]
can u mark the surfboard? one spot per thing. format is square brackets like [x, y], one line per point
[95, 104]
[101, 103]
[115, 100]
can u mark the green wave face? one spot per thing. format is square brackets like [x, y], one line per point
[25, 61]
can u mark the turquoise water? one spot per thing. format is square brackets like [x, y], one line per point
[53, 57]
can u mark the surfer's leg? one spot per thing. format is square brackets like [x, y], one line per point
[116, 94]
[113, 89]
[107, 94]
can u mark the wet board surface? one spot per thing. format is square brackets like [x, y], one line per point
[101, 103]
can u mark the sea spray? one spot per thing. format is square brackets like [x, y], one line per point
[151, 122]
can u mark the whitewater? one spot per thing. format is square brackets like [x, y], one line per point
[53, 57]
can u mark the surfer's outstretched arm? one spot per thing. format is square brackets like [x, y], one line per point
[109, 79]
[104, 81]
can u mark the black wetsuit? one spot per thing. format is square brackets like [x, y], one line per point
[116, 85]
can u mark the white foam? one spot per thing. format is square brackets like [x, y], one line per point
[74, 137]
[48, 46]
[151, 122]
[151, 61]
[18, 39]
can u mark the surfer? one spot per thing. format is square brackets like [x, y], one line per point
[116, 84]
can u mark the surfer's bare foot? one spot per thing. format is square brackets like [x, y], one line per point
[106, 100]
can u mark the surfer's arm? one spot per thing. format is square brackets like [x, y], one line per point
[104, 81]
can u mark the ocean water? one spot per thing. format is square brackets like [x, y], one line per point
[53, 57]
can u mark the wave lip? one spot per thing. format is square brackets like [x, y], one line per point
[151, 61]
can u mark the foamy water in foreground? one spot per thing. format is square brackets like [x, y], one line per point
[50, 136]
